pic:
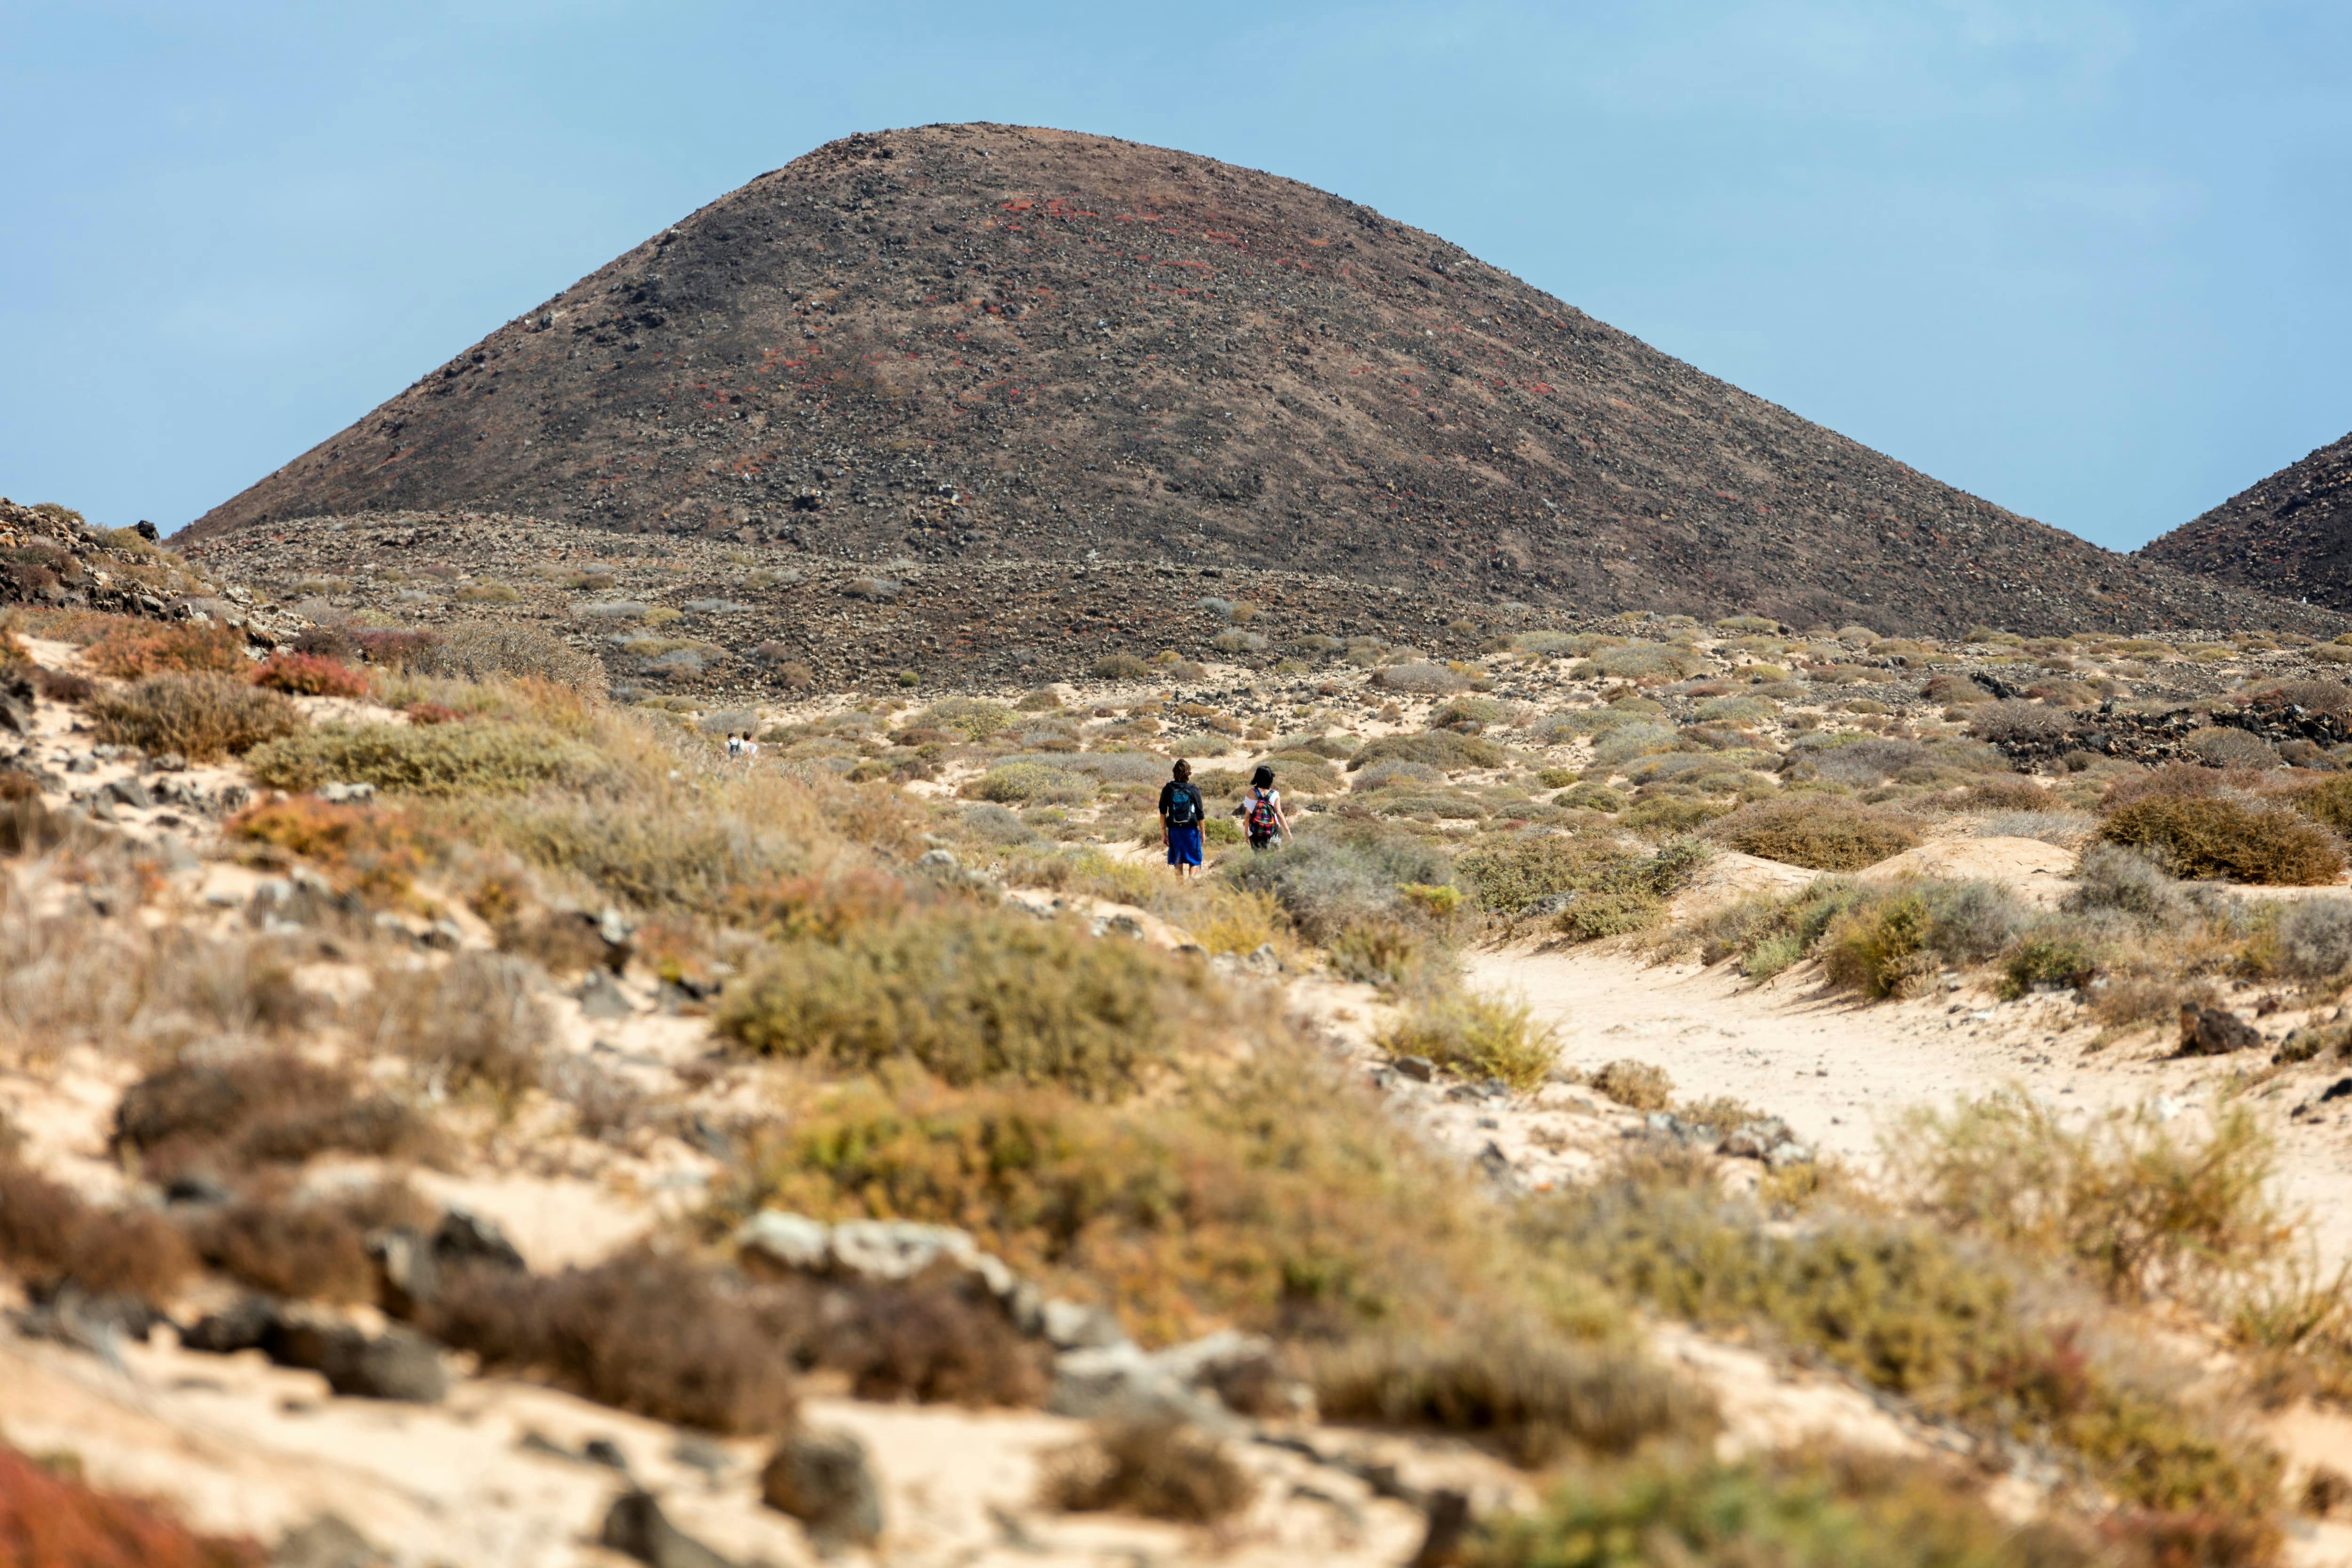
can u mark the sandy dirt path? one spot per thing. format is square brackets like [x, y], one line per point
[1841, 1071]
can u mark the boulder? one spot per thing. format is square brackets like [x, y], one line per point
[2215, 1032]
[824, 1480]
[635, 1527]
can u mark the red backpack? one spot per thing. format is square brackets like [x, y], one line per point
[1262, 819]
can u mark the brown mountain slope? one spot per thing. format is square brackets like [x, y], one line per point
[2290, 535]
[997, 342]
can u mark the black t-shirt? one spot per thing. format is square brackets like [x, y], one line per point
[1168, 799]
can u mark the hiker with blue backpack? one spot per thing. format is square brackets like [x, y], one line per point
[1182, 813]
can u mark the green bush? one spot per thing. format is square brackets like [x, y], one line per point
[1478, 1037]
[2218, 838]
[1642, 1085]
[1447, 749]
[1672, 815]
[480, 758]
[201, 716]
[973, 996]
[2046, 958]
[1511, 877]
[1121, 667]
[1798, 1512]
[1031, 783]
[1820, 832]
[971, 717]
[1888, 941]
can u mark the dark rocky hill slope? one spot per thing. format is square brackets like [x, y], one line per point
[991, 343]
[2290, 535]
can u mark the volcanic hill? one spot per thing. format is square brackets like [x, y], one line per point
[989, 342]
[2291, 535]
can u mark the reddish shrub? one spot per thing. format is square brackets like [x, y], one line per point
[394, 649]
[145, 649]
[2174, 781]
[47, 1235]
[50, 1522]
[63, 685]
[432, 713]
[310, 675]
[310, 1251]
[368, 848]
[262, 1110]
[647, 1331]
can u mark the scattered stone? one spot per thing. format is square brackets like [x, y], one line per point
[601, 997]
[346, 794]
[635, 1527]
[825, 1481]
[2214, 1031]
[397, 1364]
[129, 792]
[328, 1541]
[1420, 1069]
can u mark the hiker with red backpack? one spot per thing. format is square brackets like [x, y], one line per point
[1261, 811]
[1182, 813]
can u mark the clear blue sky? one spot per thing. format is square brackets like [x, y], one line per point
[2086, 259]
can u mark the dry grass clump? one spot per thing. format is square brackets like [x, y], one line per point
[1120, 667]
[49, 1236]
[142, 648]
[1155, 1469]
[1031, 783]
[1806, 1510]
[654, 846]
[1890, 941]
[2214, 837]
[269, 1108]
[300, 1251]
[1614, 891]
[447, 759]
[202, 716]
[644, 1332]
[51, 1519]
[1477, 1036]
[2013, 722]
[1275, 1197]
[2138, 1206]
[1523, 1388]
[1912, 1309]
[310, 675]
[1449, 751]
[1329, 880]
[470, 1023]
[1648, 662]
[974, 718]
[371, 850]
[1638, 1084]
[1817, 832]
[974, 995]
[483, 650]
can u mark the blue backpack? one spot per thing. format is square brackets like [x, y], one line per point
[1183, 807]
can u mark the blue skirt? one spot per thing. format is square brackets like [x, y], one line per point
[1185, 846]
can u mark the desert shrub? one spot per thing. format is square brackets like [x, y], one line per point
[1737, 710]
[1328, 883]
[484, 757]
[2013, 722]
[2313, 938]
[1237, 920]
[49, 1236]
[1031, 783]
[1889, 940]
[2228, 748]
[302, 1251]
[1818, 833]
[487, 594]
[2111, 877]
[1478, 1037]
[201, 716]
[367, 849]
[2055, 957]
[1911, 1308]
[472, 1022]
[485, 650]
[64, 685]
[2067, 830]
[1381, 953]
[2329, 801]
[1648, 662]
[310, 675]
[143, 648]
[1121, 667]
[1449, 751]
[665, 849]
[2179, 780]
[2214, 837]
[1672, 816]
[1532, 1395]
[269, 1108]
[1625, 742]
[972, 996]
[1863, 760]
[644, 1332]
[1638, 1084]
[1420, 678]
[1275, 1196]
[970, 717]
[1811, 1510]
[936, 1342]
[2143, 1207]
[1592, 798]
[1155, 1469]
[51, 1519]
